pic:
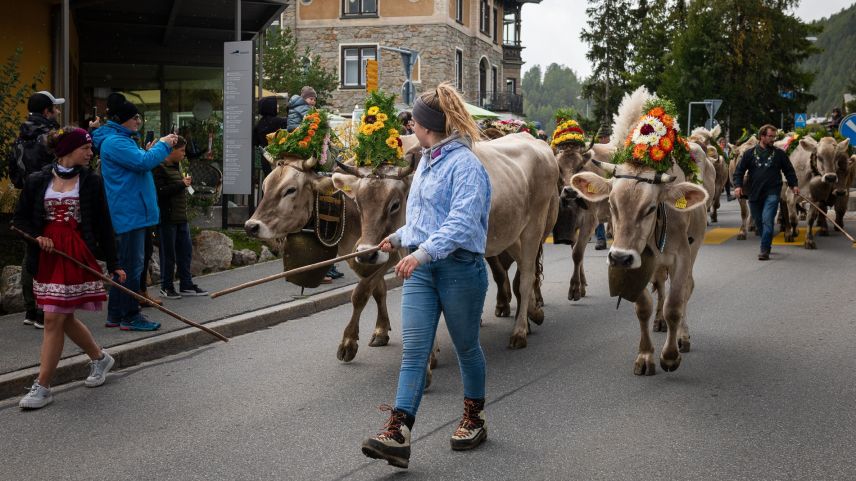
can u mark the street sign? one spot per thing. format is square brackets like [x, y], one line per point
[847, 128]
[799, 121]
[371, 75]
[712, 106]
[237, 117]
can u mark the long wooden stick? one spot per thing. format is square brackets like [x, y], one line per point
[291, 272]
[821, 212]
[124, 289]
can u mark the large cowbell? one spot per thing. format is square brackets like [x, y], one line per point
[302, 249]
[629, 283]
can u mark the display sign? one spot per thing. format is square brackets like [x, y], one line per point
[799, 121]
[371, 75]
[237, 117]
[847, 128]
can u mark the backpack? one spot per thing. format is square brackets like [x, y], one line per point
[25, 157]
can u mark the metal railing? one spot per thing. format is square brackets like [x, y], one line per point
[496, 101]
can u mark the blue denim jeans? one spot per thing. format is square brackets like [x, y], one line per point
[130, 251]
[764, 215]
[600, 232]
[175, 249]
[456, 287]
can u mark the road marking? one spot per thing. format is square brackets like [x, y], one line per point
[799, 240]
[718, 235]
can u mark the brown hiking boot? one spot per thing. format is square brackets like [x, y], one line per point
[393, 443]
[472, 429]
[145, 293]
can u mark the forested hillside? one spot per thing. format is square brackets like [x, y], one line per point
[836, 64]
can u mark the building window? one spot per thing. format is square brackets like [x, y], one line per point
[493, 80]
[459, 69]
[511, 85]
[495, 26]
[359, 8]
[354, 65]
[459, 11]
[484, 15]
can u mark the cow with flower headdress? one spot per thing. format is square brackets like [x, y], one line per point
[657, 206]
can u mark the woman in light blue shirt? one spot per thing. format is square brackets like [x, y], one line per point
[444, 272]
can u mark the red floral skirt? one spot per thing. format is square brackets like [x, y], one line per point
[60, 285]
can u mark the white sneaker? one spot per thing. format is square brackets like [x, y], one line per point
[38, 397]
[98, 370]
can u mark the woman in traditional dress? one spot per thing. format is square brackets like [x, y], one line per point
[445, 236]
[64, 208]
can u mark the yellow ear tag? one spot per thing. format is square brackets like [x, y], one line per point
[346, 188]
[681, 203]
[590, 189]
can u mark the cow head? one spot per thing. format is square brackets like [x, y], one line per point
[571, 161]
[634, 194]
[832, 162]
[381, 197]
[289, 195]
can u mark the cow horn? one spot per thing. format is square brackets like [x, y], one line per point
[268, 157]
[349, 169]
[309, 163]
[411, 166]
[591, 144]
[605, 166]
[664, 178]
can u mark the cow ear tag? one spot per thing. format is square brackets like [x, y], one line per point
[346, 188]
[681, 203]
[590, 189]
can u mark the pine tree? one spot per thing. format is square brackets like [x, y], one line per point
[287, 71]
[650, 45]
[608, 35]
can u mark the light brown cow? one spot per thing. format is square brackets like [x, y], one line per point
[822, 172]
[744, 205]
[522, 211]
[634, 194]
[842, 201]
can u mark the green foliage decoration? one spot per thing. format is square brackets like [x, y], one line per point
[378, 135]
[310, 139]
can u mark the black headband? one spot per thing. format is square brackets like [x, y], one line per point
[429, 118]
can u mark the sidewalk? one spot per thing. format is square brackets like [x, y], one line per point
[249, 310]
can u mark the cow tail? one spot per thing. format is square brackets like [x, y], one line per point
[539, 267]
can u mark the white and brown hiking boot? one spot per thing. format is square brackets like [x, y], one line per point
[472, 429]
[393, 443]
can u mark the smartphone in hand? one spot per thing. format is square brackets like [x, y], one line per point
[150, 136]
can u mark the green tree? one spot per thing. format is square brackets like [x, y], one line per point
[13, 94]
[609, 32]
[285, 70]
[650, 53]
[559, 87]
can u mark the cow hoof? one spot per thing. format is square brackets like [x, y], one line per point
[537, 316]
[684, 345]
[713, 218]
[502, 311]
[517, 341]
[644, 365]
[574, 294]
[809, 244]
[347, 350]
[379, 340]
[660, 325]
[741, 236]
[670, 365]
[428, 377]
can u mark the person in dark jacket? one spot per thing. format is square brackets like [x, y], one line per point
[834, 120]
[63, 207]
[30, 154]
[298, 105]
[176, 247]
[766, 164]
[268, 123]
[406, 119]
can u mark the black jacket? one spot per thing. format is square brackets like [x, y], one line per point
[171, 199]
[35, 153]
[765, 172]
[95, 226]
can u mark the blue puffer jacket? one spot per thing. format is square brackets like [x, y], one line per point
[297, 108]
[127, 173]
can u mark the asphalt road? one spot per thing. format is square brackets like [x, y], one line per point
[767, 392]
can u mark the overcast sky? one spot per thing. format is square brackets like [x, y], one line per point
[551, 30]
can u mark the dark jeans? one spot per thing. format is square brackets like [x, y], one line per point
[764, 215]
[600, 232]
[456, 287]
[130, 251]
[176, 249]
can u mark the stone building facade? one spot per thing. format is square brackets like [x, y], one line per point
[459, 41]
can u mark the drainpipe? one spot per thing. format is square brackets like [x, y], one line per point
[66, 113]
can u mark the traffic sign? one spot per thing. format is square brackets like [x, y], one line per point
[371, 75]
[712, 106]
[847, 128]
[799, 121]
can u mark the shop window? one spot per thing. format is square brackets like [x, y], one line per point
[359, 8]
[354, 65]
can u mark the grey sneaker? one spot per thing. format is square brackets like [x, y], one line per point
[98, 370]
[193, 290]
[38, 397]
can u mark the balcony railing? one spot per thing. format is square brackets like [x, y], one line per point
[497, 101]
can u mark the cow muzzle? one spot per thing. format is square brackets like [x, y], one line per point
[375, 257]
[256, 228]
[830, 178]
[624, 259]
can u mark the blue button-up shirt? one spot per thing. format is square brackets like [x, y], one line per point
[449, 202]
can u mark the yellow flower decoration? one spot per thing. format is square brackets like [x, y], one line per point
[373, 111]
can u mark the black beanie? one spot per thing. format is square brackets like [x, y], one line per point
[124, 112]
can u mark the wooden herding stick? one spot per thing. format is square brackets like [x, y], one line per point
[124, 289]
[297, 270]
[821, 212]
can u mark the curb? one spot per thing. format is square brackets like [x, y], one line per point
[76, 368]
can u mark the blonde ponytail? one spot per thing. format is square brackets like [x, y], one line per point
[446, 99]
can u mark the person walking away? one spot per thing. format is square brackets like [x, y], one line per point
[723, 145]
[445, 235]
[268, 123]
[130, 188]
[63, 207]
[30, 154]
[176, 248]
[766, 164]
